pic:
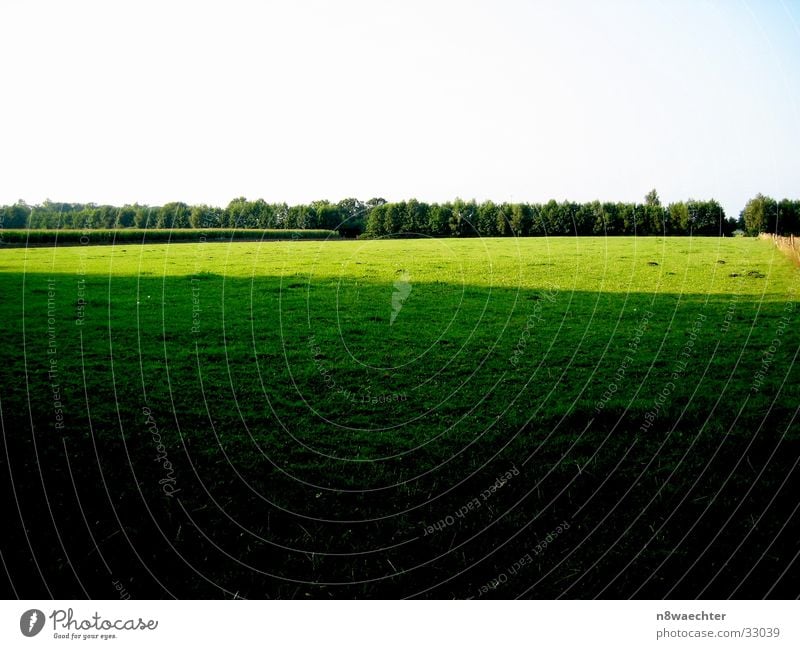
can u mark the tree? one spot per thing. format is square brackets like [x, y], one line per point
[462, 218]
[204, 216]
[374, 222]
[486, 219]
[550, 217]
[729, 226]
[327, 216]
[678, 218]
[631, 218]
[710, 218]
[520, 219]
[651, 199]
[354, 216]
[586, 216]
[16, 215]
[144, 217]
[601, 223]
[258, 214]
[760, 214]
[281, 215]
[125, 216]
[173, 215]
[439, 220]
[299, 216]
[503, 220]
[415, 217]
[393, 215]
[788, 217]
[234, 212]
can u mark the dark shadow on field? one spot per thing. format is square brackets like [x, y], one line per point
[204, 436]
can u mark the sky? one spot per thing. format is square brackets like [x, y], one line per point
[508, 100]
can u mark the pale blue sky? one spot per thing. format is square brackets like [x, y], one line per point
[201, 102]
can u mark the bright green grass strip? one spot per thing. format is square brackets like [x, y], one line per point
[615, 264]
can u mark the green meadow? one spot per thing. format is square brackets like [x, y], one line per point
[306, 418]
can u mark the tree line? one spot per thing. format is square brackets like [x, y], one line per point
[459, 218]
[488, 219]
[346, 215]
[765, 214]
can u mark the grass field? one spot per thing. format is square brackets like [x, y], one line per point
[543, 417]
